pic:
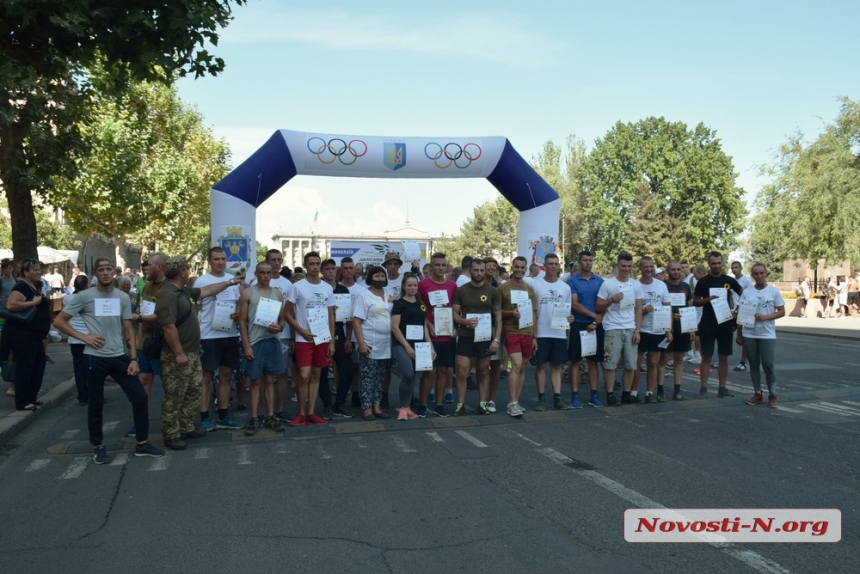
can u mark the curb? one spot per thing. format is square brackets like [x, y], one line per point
[824, 335]
[14, 423]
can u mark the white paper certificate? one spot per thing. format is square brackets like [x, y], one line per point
[689, 319]
[717, 292]
[268, 312]
[484, 330]
[629, 299]
[221, 320]
[318, 325]
[344, 307]
[678, 299]
[588, 343]
[662, 318]
[438, 298]
[527, 313]
[147, 307]
[746, 314]
[414, 332]
[423, 357]
[721, 310]
[443, 321]
[560, 311]
[106, 307]
[519, 297]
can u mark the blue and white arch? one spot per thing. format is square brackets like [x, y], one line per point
[235, 199]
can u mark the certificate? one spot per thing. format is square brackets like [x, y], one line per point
[519, 297]
[678, 299]
[438, 298]
[423, 357]
[689, 319]
[527, 313]
[484, 330]
[268, 312]
[411, 251]
[746, 314]
[443, 321]
[629, 293]
[662, 318]
[106, 307]
[664, 344]
[344, 307]
[717, 292]
[721, 310]
[147, 307]
[221, 320]
[588, 343]
[560, 312]
[318, 325]
[414, 332]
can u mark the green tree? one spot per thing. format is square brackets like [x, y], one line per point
[44, 92]
[667, 177]
[147, 174]
[491, 232]
[51, 232]
[810, 208]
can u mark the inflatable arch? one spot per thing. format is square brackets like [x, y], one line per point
[235, 199]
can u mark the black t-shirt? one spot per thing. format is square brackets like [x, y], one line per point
[681, 287]
[41, 322]
[410, 314]
[703, 290]
[338, 325]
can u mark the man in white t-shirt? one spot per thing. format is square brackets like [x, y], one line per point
[553, 296]
[219, 340]
[746, 283]
[655, 296]
[465, 276]
[312, 301]
[620, 297]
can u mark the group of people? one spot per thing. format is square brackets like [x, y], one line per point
[840, 296]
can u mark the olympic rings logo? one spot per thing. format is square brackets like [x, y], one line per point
[337, 149]
[452, 153]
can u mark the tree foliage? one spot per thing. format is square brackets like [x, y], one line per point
[491, 232]
[44, 92]
[51, 232]
[810, 208]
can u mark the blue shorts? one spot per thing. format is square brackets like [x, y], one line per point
[147, 365]
[268, 359]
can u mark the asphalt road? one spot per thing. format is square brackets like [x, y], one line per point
[488, 494]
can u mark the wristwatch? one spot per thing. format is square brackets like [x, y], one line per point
[495, 340]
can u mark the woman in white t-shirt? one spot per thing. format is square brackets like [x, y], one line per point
[372, 327]
[759, 341]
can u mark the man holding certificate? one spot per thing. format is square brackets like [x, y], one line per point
[261, 320]
[553, 322]
[656, 328]
[757, 334]
[586, 331]
[437, 294]
[714, 295]
[478, 314]
[519, 317]
[681, 296]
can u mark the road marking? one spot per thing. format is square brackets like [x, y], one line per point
[748, 557]
[855, 403]
[471, 439]
[244, 456]
[402, 446]
[434, 436]
[788, 410]
[524, 437]
[848, 410]
[70, 433]
[119, 460]
[281, 448]
[853, 364]
[38, 464]
[160, 463]
[358, 442]
[323, 454]
[202, 453]
[108, 427]
[825, 410]
[76, 468]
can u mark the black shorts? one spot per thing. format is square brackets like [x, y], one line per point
[723, 336]
[649, 342]
[445, 352]
[467, 347]
[552, 351]
[219, 353]
[574, 346]
[680, 341]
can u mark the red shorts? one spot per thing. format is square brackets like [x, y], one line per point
[310, 355]
[519, 344]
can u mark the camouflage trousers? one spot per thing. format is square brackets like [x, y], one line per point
[181, 394]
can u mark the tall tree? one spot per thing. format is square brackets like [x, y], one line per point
[662, 174]
[44, 91]
[491, 232]
[811, 207]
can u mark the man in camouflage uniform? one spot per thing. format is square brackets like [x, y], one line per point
[182, 373]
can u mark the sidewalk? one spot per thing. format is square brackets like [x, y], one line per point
[847, 328]
[57, 385]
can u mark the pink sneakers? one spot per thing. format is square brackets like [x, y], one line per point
[406, 414]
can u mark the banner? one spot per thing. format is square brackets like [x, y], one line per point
[373, 252]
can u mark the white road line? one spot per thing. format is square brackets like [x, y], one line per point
[109, 426]
[160, 463]
[841, 408]
[434, 436]
[281, 448]
[119, 460]
[524, 437]
[244, 456]
[76, 468]
[855, 403]
[853, 364]
[788, 410]
[323, 454]
[358, 442]
[202, 453]
[471, 439]
[825, 410]
[402, 446]
[748, 557]
[70, 433]
[38, 464]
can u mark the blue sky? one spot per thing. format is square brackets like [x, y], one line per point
[531, 71]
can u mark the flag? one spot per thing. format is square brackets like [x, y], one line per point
[316, 215]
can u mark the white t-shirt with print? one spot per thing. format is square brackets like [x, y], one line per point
[207, 307]
[616, 317]
[310, 299]
[375, 314]
[655, 294]
[766, 301]
[548, 294]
